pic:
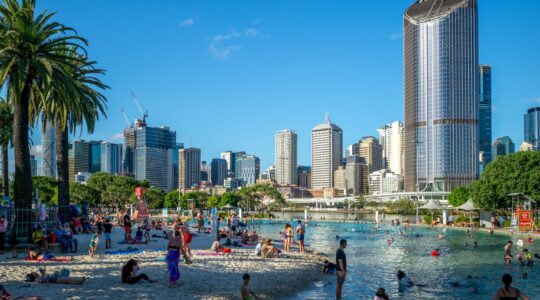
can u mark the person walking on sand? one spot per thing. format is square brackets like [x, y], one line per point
[127, 227]
[107, 228]
[245, 291]
[300, 231]
[174, 247]
[94, 242]
[341, 267]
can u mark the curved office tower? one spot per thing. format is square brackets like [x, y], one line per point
[441, 94]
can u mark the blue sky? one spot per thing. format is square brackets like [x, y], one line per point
[229, 74]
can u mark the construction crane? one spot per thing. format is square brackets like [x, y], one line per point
[125, 116]
[144, 115]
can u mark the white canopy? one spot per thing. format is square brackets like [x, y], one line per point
[228, 207]
[469, 205]
[431, 205]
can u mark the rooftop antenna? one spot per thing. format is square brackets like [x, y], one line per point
[125, 116]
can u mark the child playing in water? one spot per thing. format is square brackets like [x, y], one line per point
[245, 291]
[94, 241]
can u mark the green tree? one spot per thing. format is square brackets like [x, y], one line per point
[6, 130]
[154, 197]
[459, 196]
[171, 199]
[402, 206]
[121, 192]
[253, 196]
[100, 181]
[514, 173]
[360, 202]
[84, 194]
[232, 198]
[46, 188]
[29, 47]
[213, 201]
[200, 198]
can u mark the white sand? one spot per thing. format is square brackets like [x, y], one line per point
[209, 277]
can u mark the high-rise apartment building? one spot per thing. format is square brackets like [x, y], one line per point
[286, 157]
[130, 144]
[354, 175]
[391, 139]
[326, 153]
[371, 152]
[205, 171]
[441, 94]
[230, 157]
[484, 117]
[111, 158]
[304, 177]
[189, 172]
[503, 146]
[247, 169]
[532, 127]
[218, 171]
[340, 182]
[48, 144]
[176, 166]
[154, 155]
[385, 182]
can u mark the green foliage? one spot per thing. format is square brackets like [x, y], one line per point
[459, 196]
[231, 198]
[360, 202]
[154, 197]
[402, 206]
[84, 194]
[514, 173]
[200, 198]
[100, 181]
[427, 219]
[372, 204]
[171, 199]
[253, 196]
[213, 201]
[46, 187]
[120, 193]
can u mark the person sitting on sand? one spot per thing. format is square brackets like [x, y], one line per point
[329, 268]
[43, 277]
[268, 250]
[509, 292]
[254, 237]
[39, 239]
[37, 253]
[216, 245]
[67, 234]
[245, 291]
[131, 273]
[245, 236]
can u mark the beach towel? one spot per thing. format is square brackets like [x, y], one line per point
[129, 250]
[207, 253]
[63, 259]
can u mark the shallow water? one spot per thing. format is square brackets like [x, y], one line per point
[372, 263]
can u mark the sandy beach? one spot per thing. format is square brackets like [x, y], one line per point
[209, 277]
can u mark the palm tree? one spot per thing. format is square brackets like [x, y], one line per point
[69, 107]
[6, 129]
[29, 54]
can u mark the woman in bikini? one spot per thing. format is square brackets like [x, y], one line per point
[288, 238]
[174, 247]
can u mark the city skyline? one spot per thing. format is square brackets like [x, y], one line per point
[511, 96]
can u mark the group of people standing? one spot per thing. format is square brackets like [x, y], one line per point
[287, 236]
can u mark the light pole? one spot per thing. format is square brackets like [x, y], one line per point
[417, 199]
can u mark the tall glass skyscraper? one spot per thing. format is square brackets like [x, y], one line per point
[484, 118]
[48, 144]
[532, 127]
[441, 94]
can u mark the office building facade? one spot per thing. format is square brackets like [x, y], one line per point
[247, 169]
[189, 172]
[354, 175]
[532, 127]
[326, 153]
[218, 171]
[441, 94]
[33, 166]
[154, 155]
[304, 177]
[286, 156]
[83, 157]
[48, 145]
[503, 146]
[484, 117]
[391, 139]
[111, 158]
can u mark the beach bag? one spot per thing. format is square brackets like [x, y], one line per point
[226, 250]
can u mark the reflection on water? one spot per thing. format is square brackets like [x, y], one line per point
[372, 263]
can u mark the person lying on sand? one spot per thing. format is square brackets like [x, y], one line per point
[43, 277]
[4, 295]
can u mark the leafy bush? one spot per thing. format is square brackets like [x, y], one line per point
[427, 219]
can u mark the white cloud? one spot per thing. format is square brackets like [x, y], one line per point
[116, 137]
[36, 150]
[396, 36]
[251, 32]
[536, 100]
[222, 46]
[186, 22]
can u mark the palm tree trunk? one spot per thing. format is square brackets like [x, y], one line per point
[62, 166]
[5, 171]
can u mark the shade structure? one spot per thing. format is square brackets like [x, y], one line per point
[228, 207]
[431, 205]
[468, 206]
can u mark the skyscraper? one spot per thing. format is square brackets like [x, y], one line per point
[33, 165]
[176, 166]
[532, 127]
[484, 117]
[130, 144]
[111, 158]
[286, 157]
[326, 153]
[82, 157]
[48, 144]
[371, 152]
[441, 94]
[391, 138]
[154, 155]
[304, 177]
[218, 171]
[354, 174]
[503, 146]
[247, 169]
[189, 172]
[228, 156]
[205, 171]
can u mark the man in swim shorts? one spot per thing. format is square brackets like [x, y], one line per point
[300, 232]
